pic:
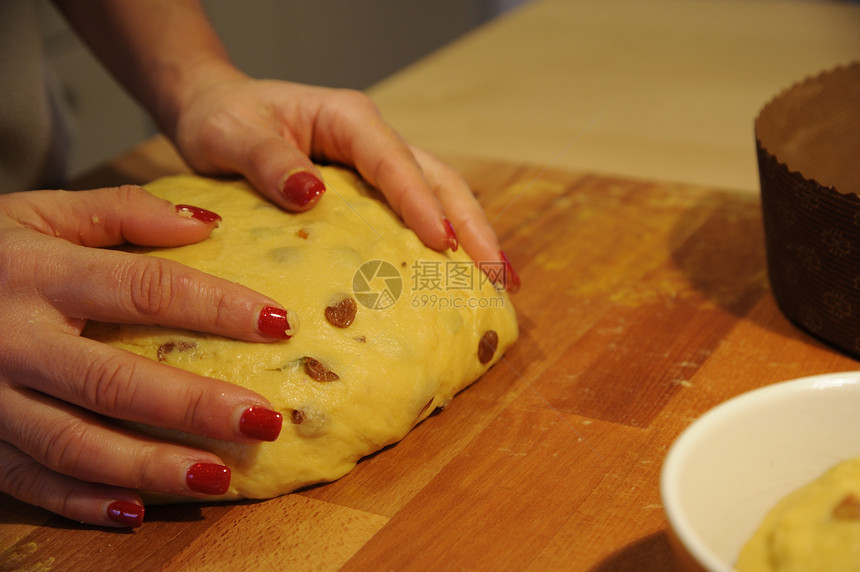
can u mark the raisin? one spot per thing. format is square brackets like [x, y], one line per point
[302, 233]
[341, 314]
[314, 422]
[169, 347]
[297, 416]
[848, 509]
[487, 346]
[318, 371]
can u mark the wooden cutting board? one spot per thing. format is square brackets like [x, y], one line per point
[643, 305]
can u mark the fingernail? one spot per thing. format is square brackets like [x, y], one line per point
[260, 423]
[511, 279]
[302, 187]
[208, 478]
[453, 243]
[273, 323]
[125, 513]
[198, 214]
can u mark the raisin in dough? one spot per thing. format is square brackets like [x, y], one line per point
[817, 527]
[352, 379]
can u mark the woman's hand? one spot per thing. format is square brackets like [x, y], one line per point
[266, 130]
[166, 53]
[59, 392]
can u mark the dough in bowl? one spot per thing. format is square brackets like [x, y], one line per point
[817, 527]
[388, 329]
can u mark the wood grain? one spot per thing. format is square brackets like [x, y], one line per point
[643, 305]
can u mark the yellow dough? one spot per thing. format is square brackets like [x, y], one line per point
[814, 528]
[404, 354]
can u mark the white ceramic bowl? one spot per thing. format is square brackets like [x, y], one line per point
[729, 468]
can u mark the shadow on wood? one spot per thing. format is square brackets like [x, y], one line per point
[649, 554]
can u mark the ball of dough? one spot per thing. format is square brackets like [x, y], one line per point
[388, 329]
[814, 528]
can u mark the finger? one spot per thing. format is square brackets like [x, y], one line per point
[111, 216]
[119, 287]
[356, 134]
[268, 158]
[122, 385]
[470, 223]
[399, 177]
[281, 172]
[114, 286]
[32, 483]
[70, 442]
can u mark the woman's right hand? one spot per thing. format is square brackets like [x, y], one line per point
[59, 392]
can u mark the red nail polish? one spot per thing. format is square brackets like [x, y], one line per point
[260, 423]
[273, 323]
[198, 214]
[125, 513]
[453, 243]
[512, 279]
[208, 478]
[302, 187]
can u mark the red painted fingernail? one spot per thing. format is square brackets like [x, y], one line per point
[453, 243]
[198, 214]
[260, 423]
[512, 279]
[208, 478]
[125, 513]
[273, 323]
[302, 187]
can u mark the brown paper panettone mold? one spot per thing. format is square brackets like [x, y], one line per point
[808, 145]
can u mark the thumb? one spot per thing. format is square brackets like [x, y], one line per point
[281, 172]
[256, 150]
[110, 217]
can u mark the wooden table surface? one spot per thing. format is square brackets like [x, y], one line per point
[643, 305]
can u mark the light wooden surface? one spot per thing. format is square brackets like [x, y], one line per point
[655, 89]
[643, 305]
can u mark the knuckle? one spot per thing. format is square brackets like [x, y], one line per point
[161, 292]
[19, 477]
[64, 504]
[64, 447]
[146, 469]
[130, 193]
[19, 253]
[201, 135]
[470, 228]
[108, 383]
[196, 413]
[151, 286]
[260, 154]
[222, 310]
[353, 98]
[30, 482]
